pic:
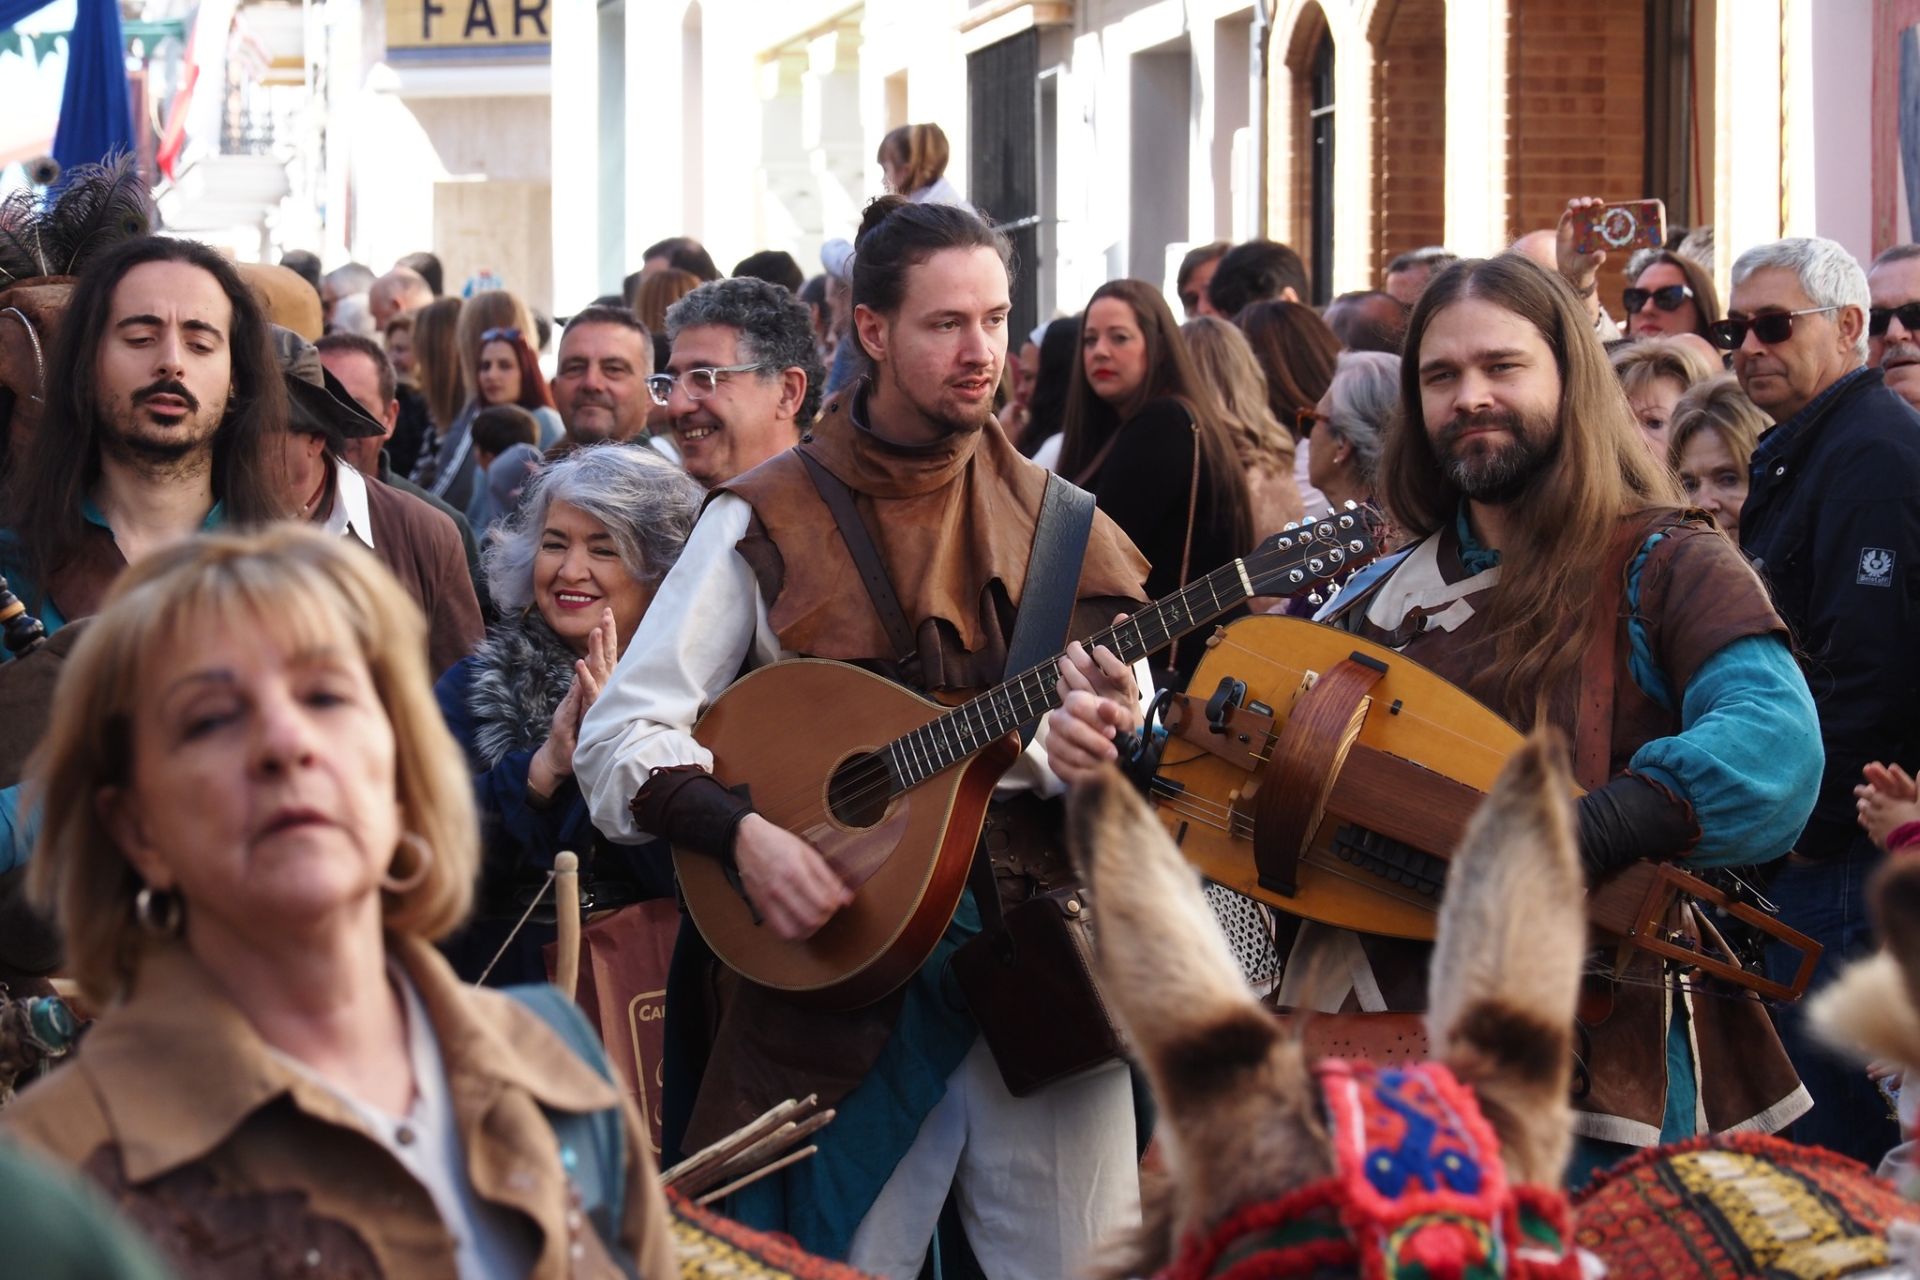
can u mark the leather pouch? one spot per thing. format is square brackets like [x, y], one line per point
[1029, 985]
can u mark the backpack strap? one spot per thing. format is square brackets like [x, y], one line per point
[593, 1145]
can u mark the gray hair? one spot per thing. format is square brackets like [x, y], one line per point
[350, 279]
[1435, 256]
[645, 502]
[1828, 274]
[775, 328]
[1898, 253]
[1365, 398]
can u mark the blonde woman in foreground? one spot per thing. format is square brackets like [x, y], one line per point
[256, 825]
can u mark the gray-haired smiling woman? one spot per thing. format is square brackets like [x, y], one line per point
[572, 572]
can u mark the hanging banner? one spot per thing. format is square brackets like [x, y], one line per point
[468, 29]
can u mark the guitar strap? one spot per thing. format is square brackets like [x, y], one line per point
[1593, 716]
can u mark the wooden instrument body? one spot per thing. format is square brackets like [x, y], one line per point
[788, 727]
[1426, 751]
[1424, 754]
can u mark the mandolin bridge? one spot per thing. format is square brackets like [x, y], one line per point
[1391, 860]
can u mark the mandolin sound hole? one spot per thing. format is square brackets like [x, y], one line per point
[859, 790]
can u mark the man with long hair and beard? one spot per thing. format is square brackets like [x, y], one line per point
[1555, 575]
[162, 393]
[951, 508]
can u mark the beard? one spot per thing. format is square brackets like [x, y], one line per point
[949, 417]
[160, 450]
[1497, 474]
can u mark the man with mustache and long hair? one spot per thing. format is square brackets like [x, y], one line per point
[1555, 575]
[952, 508]
[162, 389]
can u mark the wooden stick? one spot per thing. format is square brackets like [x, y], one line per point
[792, 1158]
[726, 1148]
[785, 1137]
[566, 913]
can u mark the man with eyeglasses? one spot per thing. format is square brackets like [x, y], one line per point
[1832, 520]
[1893, 325]
[744, 378]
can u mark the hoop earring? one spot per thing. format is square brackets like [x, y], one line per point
[158, 912]
[422, 863]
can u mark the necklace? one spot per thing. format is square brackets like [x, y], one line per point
[319, 492]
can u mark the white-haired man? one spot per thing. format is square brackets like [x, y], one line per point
[1832, 521]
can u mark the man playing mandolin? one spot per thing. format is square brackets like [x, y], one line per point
[951, 508]
[1556, 576]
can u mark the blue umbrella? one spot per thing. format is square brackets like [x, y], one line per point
[96, 119]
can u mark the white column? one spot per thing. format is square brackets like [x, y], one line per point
[1747, 125]
[576, 154]
[1477, 102]
[1353, 157]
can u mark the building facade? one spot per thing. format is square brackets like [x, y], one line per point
[1111, 135]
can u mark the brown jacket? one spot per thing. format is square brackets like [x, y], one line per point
[236, 1165]
[423, 549]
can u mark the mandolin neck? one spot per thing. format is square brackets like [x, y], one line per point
[965, 731]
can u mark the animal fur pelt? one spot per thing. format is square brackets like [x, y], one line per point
[522, 670]
[92, 209]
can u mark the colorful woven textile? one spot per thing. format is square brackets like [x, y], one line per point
[1738, 1204]
[712, 1248]
[1418, 1193]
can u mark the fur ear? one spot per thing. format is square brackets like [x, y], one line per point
[1873, 1009]
[1506, 965]
[1162, 962]
[1239, 1108]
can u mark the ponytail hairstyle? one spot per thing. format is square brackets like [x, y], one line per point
[897, 235]
[919, 149]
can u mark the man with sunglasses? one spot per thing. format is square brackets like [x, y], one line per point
[1893, 324]
[744, 378]
[1832, 521]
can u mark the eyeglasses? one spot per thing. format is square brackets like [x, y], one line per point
[1303, 420]
[1908, 313]
[500, 335]
[1667, 298]
[1771, 327]
[697, 383]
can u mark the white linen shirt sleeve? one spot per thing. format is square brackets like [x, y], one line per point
[704, 623]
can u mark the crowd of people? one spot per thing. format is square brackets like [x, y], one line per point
[386, 601]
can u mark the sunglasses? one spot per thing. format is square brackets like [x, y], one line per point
[1667, 298]
[1772, 327]
[1303, 420]
[500, 335]
[1908, 313]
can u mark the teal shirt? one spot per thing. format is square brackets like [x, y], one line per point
[40, 605]
[1747, 758]
[18, 827]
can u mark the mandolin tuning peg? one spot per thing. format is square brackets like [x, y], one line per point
[1350, 505]
[1314, 597]
[1290, 526]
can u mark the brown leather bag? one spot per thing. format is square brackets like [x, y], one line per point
[1028, 981]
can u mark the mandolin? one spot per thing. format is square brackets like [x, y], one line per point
[892, 788]
[1331, 778]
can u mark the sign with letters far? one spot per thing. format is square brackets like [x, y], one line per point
[468, 30]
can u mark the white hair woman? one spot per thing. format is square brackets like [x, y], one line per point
[572, 572]
[255, 824]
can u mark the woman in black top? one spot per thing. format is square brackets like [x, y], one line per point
[1138, 422]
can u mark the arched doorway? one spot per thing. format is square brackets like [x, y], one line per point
[1310, 72]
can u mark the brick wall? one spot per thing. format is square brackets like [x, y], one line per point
[1409, 130]
[1578, 119]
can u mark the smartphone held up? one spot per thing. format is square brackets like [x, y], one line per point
[1624, 227]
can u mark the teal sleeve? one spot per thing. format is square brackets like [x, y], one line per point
[1748, 755]
[17, 830]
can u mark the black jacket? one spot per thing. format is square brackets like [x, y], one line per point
[1832, 522]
